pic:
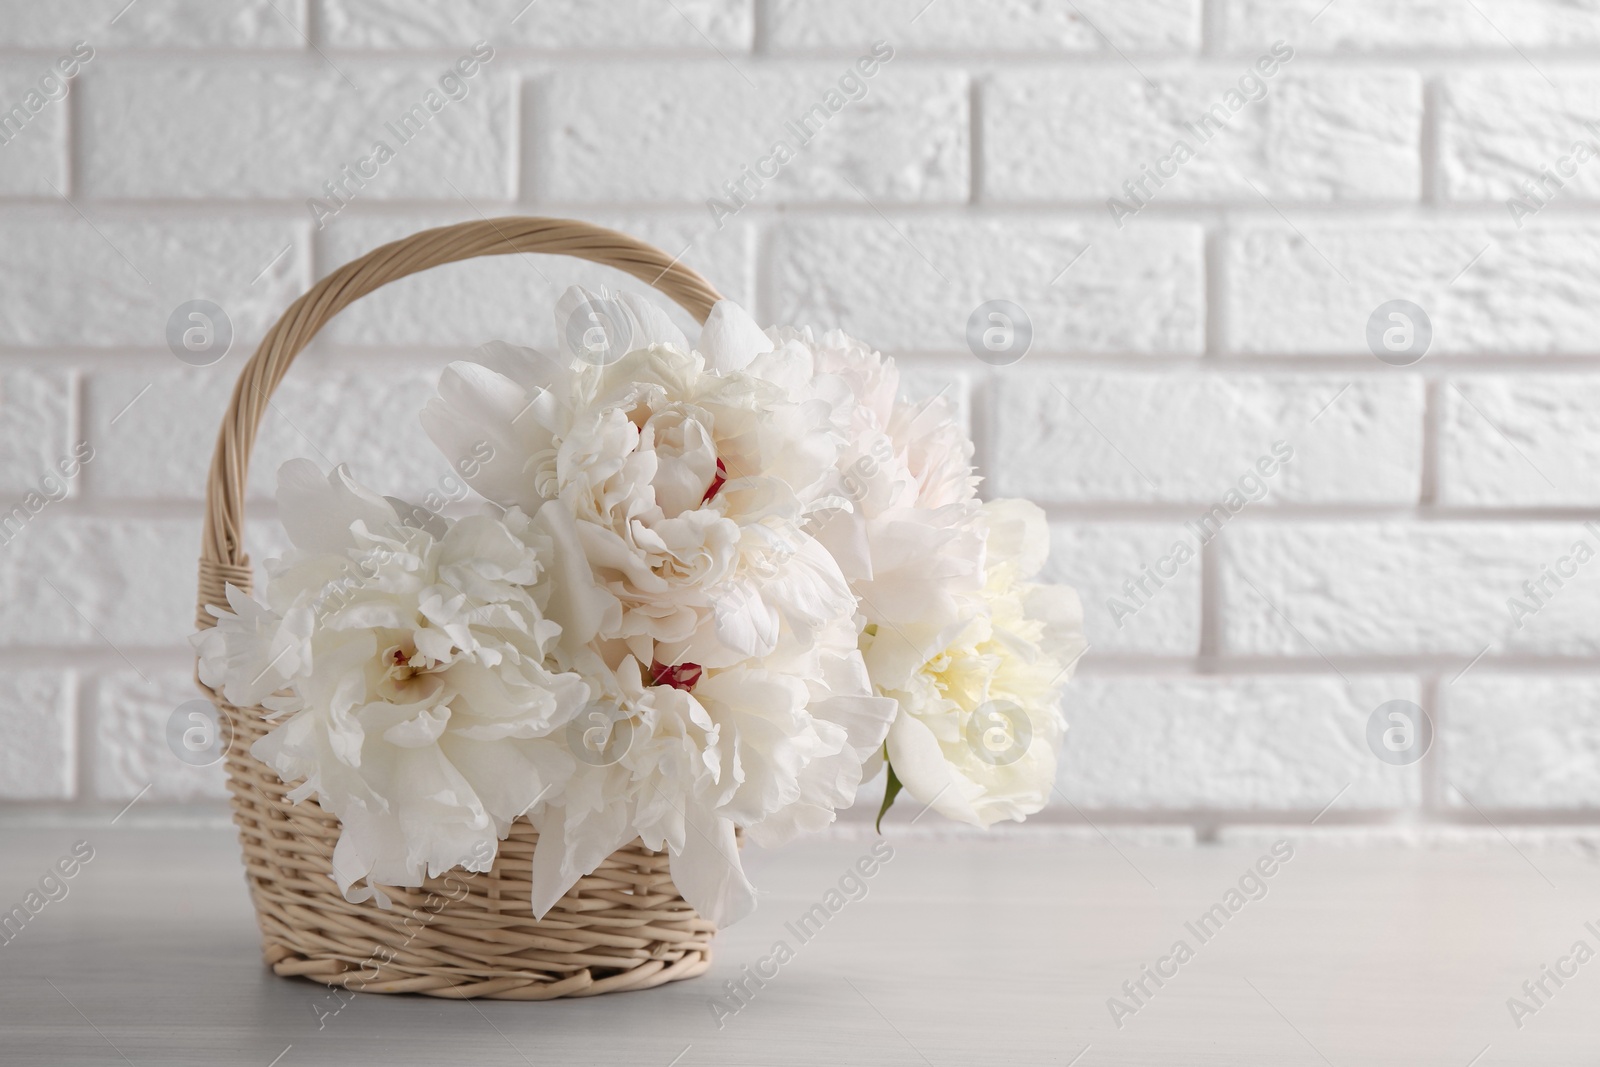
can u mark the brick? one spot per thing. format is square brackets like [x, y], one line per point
[121, 585]
[136, 273]
[129, 717]
[1097, 558]
[1190, 438]
[904, 141]
[63, 578]
[281, 130]
[1518, 742]
[1485, 288]
[1404, 589]
[1418, 25]
[1498, 130]
[1294, 136]
[161, 447]
[1230, 743]
[33, 127]
[274, 24]
[1009, 25]
[35, 414]
[37, 737]
[513, 298]
[913, 283]
[549, 25]
[1522, 441]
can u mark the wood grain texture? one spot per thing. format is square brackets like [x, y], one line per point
[958, 953]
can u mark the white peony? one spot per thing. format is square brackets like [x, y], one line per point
[718, 636]
[952, 629]
[680, 759]
[909, 541]
[682, 472]
[980, 723]
[407, 670]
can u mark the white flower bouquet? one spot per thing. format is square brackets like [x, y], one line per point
[711, 588]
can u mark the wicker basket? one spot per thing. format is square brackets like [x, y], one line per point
[463, 935]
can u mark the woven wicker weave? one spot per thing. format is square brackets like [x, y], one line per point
[463, 935]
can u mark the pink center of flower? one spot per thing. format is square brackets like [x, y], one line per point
[678, 675]
[716, 483]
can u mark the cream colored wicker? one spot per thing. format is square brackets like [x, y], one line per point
[463, 935]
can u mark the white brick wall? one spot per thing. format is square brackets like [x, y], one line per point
[1175, 341]
[276, 129]
[1243, 743]
[1313, 137]
[108, 279]
[1414, 25]
[905, 141]
[1011, 26]
[187, 24]
[1554, 420]
[911, 284]
[1180, 437]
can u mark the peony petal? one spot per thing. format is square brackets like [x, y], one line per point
[652, 325]
[562, 856]
[318, 511]
[730, 338]
[420, 732]
[483, 423]
[598, 329]
[927, 775]
[582, 607]
[1018, 532]
[708, 873]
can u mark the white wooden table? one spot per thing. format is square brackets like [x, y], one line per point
[972, 952]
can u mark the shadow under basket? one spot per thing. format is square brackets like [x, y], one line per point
[464, 934]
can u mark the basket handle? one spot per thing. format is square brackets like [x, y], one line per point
[222, 557]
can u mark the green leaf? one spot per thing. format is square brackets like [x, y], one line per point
[890, 790]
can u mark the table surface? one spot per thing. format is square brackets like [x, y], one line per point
[960, 952]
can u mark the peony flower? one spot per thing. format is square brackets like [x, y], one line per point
[406, 670]
[676, 468]
[680, 760]
[952, 630]
[908, 538]
[718, 636]
[980, 722]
